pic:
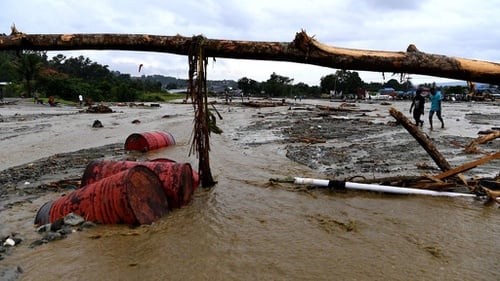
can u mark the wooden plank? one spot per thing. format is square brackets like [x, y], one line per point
[468, 166]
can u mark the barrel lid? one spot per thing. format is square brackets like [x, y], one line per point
[145, 194]
[43, 215]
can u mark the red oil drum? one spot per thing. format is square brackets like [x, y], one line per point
[176, 178]
[149, 141]
[196, 176]
[133, 196]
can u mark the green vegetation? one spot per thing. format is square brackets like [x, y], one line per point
[67, 78]
[160, 97]
[343, 82]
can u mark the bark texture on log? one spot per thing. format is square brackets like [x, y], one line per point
[421, 139]
[303, 49]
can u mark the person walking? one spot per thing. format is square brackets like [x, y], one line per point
[36, 97]
[418, 103]
[436, 98]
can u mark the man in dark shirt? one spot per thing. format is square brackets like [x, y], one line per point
[418, 102]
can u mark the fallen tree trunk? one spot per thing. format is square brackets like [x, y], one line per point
[421, 139]
[303, 49]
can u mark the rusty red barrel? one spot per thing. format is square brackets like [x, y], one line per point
[149, 141]
[133, 196]
[176, 178]
[196, 176]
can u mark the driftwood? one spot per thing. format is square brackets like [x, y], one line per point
[468, 166]
[435, 186]
[493, 194]
[421, 139]
[303, 49]
[335, 108]
[263, 104]
[471, 147]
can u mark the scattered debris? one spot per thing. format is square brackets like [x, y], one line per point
[61, 228]
[8, 243]
[468, 166]
[342, 107]
[99, 109]
[471, 147]
[449, 181]
[264, 103]
[97, 124]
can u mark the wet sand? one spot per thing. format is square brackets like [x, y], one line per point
[246, 228]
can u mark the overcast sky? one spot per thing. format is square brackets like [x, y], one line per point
[460, 28]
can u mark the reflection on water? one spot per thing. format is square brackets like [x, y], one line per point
[246, 229]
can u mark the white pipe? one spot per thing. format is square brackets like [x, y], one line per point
[382, 188]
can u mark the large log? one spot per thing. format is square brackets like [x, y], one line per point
[303, 49]
[421, 139]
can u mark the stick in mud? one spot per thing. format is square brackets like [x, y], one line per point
[421, 139]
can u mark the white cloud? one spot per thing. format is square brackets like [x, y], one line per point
[463, 28]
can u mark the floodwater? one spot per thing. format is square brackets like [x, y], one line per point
[244, 228]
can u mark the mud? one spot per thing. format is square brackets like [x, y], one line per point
[339, 145]
[279, 232]
[53, 174]
[347, 144]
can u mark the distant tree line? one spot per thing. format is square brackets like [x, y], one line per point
[67, 78]
[342, 81]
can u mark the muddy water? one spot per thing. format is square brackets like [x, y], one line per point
[246, 229]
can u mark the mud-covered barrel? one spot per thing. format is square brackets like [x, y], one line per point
[176, 178]
[147, 141]
[133, 196]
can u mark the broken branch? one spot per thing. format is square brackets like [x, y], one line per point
[421, 139]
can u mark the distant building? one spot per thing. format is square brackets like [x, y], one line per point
[390, 92]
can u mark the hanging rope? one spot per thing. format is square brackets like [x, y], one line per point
[198, 93]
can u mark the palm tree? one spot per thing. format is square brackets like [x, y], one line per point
[28, 65]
